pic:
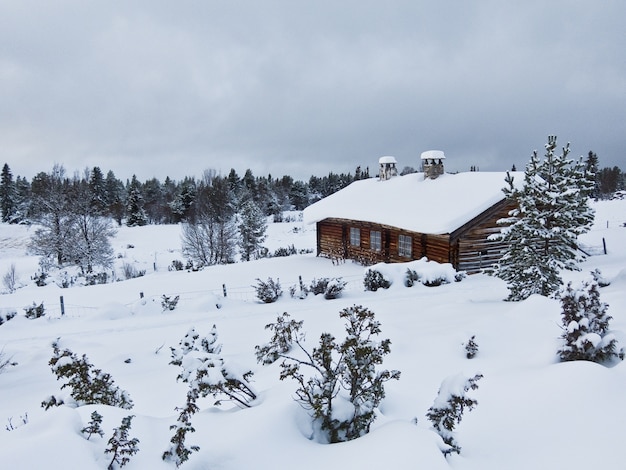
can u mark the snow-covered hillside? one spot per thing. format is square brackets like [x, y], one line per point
[533, 412]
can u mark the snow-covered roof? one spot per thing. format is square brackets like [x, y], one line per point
[387, 159]
[433, 154]
[414, 203]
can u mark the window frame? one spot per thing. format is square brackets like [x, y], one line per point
[378, 244]
[355, 236]
[405, 246]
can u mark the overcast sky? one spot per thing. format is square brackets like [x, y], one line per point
[158, 88]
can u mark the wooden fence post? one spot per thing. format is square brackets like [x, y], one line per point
[604, 244]
[62, 306]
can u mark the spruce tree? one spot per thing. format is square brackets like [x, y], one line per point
[252, 228]
[586, 334]
[7, 194]
[134, 205]
[120, 445]
[541, 233]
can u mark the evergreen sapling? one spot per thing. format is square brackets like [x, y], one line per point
[449, 406]
[120, 445]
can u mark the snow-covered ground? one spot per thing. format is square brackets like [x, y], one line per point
[533, 412]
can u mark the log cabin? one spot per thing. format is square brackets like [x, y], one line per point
[444, 217]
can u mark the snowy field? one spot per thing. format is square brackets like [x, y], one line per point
[533, 412]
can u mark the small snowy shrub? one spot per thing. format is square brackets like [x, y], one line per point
[177, 265]
[331, 288]
[87, 384]
[40, 279]
[93, 426]
[289, 251]
[346, 390]
[7, 315]
[285, 332]
[374, 280]
[586, 333]
[268, 291]
[410, 278]
[334, 288]
[120, 445]
[6, 362]
[208, 372]
[471, 347]
[95, 279]
[318, 286]
[169, 303]
[599, 278]
[131, 272]
[9, 280]
[35, 311]
[447, 410]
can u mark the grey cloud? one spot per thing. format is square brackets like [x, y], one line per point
[162, 88]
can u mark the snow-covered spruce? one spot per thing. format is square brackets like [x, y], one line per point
[93, 426]
[206, 373]
[375, 280]
[586, 334]
[471, 347]
[120, 445]
[88, 385]
[252, 230]
[347, 389]
[268, 291]
[541, 232]
[447, 410]
[286, 331]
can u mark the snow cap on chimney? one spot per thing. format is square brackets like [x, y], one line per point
[432, 163]
[387, 168]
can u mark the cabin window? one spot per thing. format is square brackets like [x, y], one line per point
[375, 240]
[405, 245]
[355, 236]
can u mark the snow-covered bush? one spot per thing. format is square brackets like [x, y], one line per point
[35, 311]
[205, 370]
[6, 362]
[96, 278]
[374, 280]
[131, 272]
[599, 278]
[411, 277]
[93, 426]
[447, 410]
[346, 390]
[9, 280]
[586, 334]
[334, 288]
[206, 373]
[87, 384]
[169, 303]
[177, 265]
[285, 332]
[120, 445]
[471, 347]
[331, 288]
[6, 315]
[268, 291]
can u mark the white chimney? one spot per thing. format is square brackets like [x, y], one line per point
[432, 163]
[387, 168]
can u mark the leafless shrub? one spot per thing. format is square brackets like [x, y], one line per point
[9, 280]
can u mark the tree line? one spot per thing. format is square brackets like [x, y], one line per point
[159, 202]
[221, 216]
